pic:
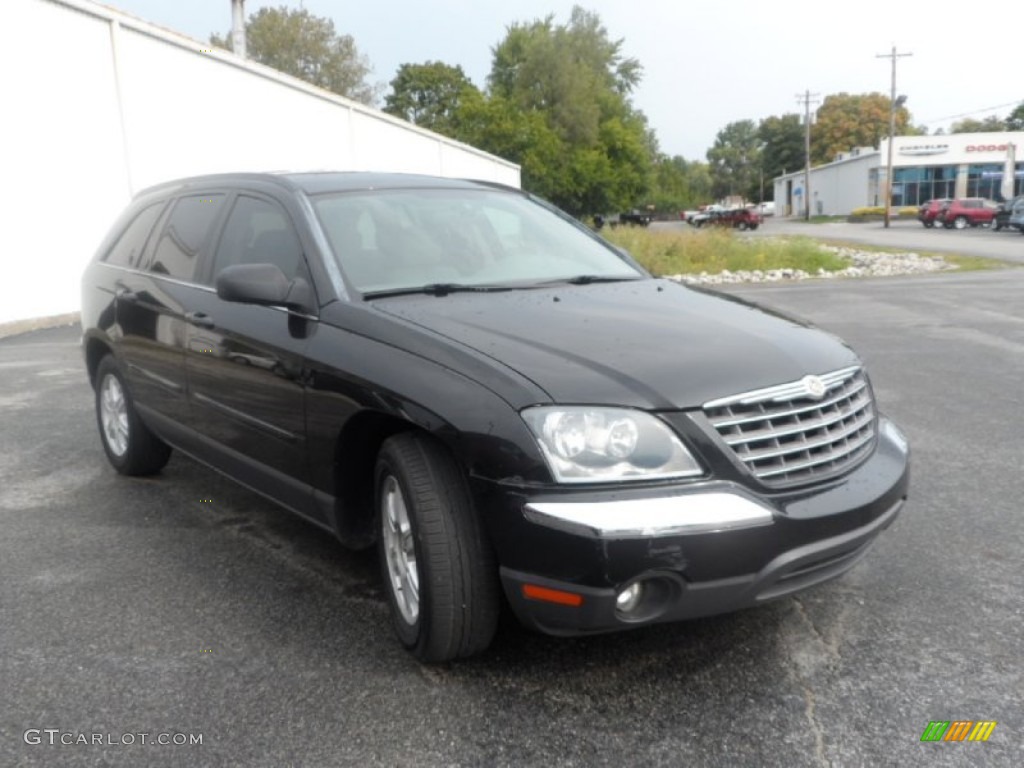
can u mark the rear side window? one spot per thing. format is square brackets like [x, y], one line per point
[259, 232]
[182, 239]
[127, 251]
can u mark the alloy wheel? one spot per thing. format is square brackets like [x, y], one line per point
[114, 415]
[400, 551]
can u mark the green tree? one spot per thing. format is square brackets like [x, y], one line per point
[990, 124]
[845, 121]
[1015, 120]
[430, 95]
[782, 148]
[574, 78]
[307, 47]
[678, 184]
[735, 160]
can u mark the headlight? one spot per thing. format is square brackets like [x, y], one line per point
[592, 445]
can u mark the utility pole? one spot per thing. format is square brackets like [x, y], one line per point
[807, 99]
[238, 27]
[893, 106]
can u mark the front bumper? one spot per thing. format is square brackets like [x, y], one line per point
[697, 549]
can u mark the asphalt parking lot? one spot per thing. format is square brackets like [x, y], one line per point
[185, 605]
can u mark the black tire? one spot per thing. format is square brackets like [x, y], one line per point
[130, 446]
[754, 226]
[445, 603]
[742, 226]
[928, 224]
[960, 222]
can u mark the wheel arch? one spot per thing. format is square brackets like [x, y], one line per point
[95, 350]
[355, 456]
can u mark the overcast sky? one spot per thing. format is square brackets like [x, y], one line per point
[706, 64]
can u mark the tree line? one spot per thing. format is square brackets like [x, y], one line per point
[558, 102]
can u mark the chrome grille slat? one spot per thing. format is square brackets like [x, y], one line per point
[863, 419]
[815, 462]
[794, 411]
[783, 435]
[800, 426]
[782, 392]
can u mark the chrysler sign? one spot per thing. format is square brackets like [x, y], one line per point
[924, 149]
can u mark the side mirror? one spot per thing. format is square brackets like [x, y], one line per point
[263, 284]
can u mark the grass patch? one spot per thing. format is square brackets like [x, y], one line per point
[962, 261]
[715, 250]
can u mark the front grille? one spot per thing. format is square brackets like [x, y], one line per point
[784, 435]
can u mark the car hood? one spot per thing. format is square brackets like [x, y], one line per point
[651, 344]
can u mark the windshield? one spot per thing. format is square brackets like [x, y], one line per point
[395, 240]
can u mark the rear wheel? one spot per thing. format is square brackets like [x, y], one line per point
[742, 226]
[131, 448]
[439, 572]
[928, 224]
[960, 222]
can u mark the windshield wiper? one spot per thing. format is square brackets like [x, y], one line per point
[435, 289]
[589, 279]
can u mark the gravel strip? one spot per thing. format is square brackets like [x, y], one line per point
[862, 264]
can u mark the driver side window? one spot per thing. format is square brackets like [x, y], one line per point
[259, 232]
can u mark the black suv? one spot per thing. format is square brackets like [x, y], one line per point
[511, 409]
[1003, 213]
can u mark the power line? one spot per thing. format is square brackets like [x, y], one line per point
[973, 112]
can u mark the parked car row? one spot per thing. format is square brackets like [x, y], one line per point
[963, 212]
[736, 218]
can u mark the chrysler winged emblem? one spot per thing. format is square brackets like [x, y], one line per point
[814, 387]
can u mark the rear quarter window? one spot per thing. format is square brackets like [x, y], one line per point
[127, 251]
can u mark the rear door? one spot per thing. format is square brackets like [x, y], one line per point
[152, 302]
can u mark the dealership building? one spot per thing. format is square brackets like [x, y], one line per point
[924, 167]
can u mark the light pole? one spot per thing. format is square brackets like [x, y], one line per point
[894, 104]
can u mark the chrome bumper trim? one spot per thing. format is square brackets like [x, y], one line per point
[678, 515]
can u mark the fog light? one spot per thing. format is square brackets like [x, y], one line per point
[628, 599]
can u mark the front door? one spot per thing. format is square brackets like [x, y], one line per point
[245, 362]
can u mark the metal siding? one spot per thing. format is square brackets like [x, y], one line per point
[84, 138]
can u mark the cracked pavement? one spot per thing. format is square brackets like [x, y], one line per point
[137, 605]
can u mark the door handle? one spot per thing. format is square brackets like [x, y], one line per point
[200, 319]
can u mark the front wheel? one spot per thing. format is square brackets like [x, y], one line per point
[439, 572]
[742, 226]
[928, 224]
[131, 448]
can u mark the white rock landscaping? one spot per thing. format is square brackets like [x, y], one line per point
[862, 264]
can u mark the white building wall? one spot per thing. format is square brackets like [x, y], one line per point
[97, 105]
[839, 188]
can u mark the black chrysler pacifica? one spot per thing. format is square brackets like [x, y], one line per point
[512, 410]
